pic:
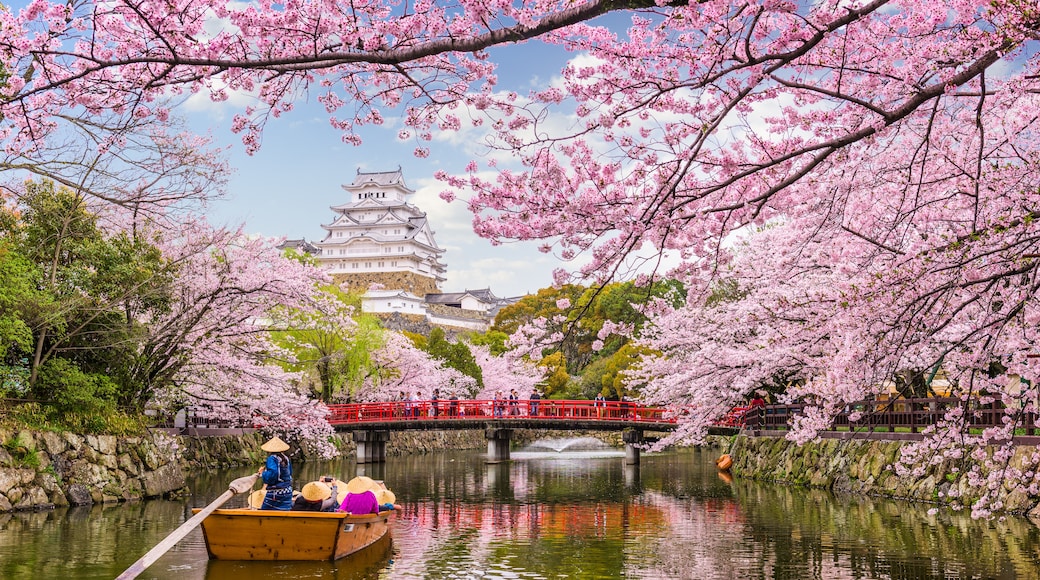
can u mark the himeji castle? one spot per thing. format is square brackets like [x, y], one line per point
[377, 235]
[381, 244]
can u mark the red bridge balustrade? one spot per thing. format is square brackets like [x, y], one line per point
[548, 411]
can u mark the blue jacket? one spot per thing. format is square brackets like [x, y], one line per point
[277, 472]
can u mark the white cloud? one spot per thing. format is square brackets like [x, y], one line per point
[202, 102]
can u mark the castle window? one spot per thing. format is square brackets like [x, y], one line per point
[381, 264]
[354, 265]
[339, 234]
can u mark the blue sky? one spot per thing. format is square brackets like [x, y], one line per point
[287, 187]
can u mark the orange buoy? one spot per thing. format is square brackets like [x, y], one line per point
[724, 462]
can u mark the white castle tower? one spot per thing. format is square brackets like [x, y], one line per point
[377, 237]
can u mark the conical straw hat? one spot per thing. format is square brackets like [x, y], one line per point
[361, 484]
[316, 491]
[275, 445]
[385, 496]
[256, 499]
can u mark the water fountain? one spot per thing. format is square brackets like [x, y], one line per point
[566, 444]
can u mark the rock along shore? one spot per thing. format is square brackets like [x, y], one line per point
[862, 466]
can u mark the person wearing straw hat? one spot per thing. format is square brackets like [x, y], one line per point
[316, 496]
[277, 476]
[361, 497]
[386, 500]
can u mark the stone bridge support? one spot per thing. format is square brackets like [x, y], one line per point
[633, 438]
[371, 446]
[498, 444]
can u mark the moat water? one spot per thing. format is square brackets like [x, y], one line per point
[556, 514]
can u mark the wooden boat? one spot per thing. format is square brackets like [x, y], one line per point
[247, 534]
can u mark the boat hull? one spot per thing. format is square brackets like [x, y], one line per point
[245, 534]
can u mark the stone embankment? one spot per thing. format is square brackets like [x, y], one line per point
[45, 470]
[864, 467]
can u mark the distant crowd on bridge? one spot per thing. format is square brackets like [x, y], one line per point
[510, 407]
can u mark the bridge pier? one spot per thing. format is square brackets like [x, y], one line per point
[371, 446]
[498, 444]
[632, 438]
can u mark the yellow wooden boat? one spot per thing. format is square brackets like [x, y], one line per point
[248, 534]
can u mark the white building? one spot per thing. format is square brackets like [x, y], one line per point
[380, 244]
[378, 237]
[390, 301]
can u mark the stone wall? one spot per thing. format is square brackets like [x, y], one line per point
[413, 282]
[44, 470]
[421, 442]
[863, 467]
[453, 312]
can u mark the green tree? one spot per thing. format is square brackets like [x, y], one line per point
[495, 340]
[612, 379]
[17, 275]
[333, 342]
[557, 379]
[588, 309]
[455, 355]
[91, 290]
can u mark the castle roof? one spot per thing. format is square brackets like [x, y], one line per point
[484, 295]
[384, 178]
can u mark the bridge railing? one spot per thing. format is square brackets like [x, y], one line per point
[909, 415]
[453, 410]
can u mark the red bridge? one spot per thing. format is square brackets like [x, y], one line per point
[469, 414]
[373, 422]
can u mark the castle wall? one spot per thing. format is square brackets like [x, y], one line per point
[415, 283]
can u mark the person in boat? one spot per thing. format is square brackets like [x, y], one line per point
[361, 497]
[277, 476]
[317, 496]
[386, 500]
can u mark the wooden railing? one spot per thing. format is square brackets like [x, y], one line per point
[909, 415]
[456, 410]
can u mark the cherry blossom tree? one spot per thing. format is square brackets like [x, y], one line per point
[895, 142]
[505, 372]
[405, 368]
[213, 350]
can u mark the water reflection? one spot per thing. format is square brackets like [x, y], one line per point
[556, 516]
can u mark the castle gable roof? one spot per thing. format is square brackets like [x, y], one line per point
[484, 295]
[379, 178]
